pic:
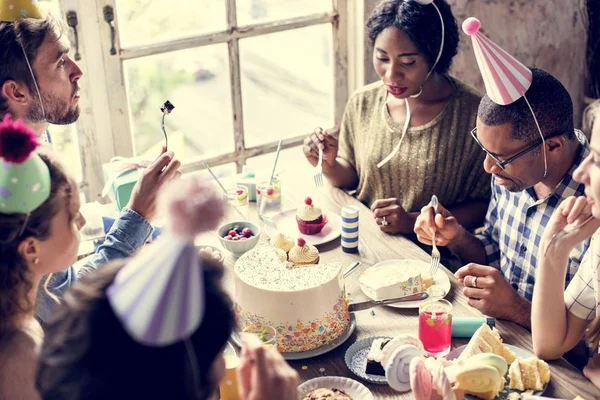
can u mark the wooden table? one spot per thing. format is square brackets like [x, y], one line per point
[375, 246]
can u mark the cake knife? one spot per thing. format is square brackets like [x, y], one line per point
[365, 305]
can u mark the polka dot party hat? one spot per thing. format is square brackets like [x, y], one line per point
[11, 10]
[24, 177]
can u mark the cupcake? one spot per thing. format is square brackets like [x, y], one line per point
[310, 218]
[303, 253]
[282, 242]
[282, 255]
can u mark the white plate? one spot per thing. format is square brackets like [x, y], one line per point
[440, 279]
[354, 389]
[520, 353]
[286, 223]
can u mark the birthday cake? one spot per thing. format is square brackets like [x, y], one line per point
[306, 306]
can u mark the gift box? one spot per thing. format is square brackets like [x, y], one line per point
[120, 177]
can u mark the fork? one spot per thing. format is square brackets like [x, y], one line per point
[435, 253]
[319, 169]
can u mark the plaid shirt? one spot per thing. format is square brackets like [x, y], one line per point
[514, 225]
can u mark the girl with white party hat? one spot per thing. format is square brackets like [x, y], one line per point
[156, 326]
[406, 137]
[39, 235]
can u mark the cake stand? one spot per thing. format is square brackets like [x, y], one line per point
[303, 355]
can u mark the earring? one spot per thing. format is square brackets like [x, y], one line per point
[36, 261]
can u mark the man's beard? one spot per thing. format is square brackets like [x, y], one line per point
[57, 112]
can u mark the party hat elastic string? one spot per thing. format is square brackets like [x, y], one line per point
[541, 135]
[37, 88]
[404, 130]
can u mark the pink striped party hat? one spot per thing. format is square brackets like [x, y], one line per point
[506, 79]
[159, 295]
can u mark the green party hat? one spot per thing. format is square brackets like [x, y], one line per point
[12, 10]
[24, 176]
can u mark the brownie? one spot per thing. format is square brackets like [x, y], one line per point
[374, 366]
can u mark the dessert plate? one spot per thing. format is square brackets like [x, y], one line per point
[286, 223]
[354, 389]
[303, 355]
[504, 394]
[440, 279]
[356, 360]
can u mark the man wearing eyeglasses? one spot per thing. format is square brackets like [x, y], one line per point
[531, 175]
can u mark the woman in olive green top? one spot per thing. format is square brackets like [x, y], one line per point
[436, 154]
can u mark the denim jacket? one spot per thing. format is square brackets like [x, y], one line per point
[127, 235]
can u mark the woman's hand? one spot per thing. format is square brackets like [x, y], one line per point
[321, 139]
[569, 217]
[264, 374]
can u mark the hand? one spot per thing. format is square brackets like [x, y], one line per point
[569, 217]
[144, 193]
[445, 226]
[264, 374]
[489, 292]
[396, 219]
[321, 139]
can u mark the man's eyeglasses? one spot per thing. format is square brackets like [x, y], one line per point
[503, 164]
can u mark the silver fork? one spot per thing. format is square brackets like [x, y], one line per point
[435, 253]
[319, 169]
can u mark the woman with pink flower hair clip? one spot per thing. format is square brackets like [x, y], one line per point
[156, 326]
[39, 235]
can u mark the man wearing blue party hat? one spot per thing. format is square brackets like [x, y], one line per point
[39, 84]
[525, 127]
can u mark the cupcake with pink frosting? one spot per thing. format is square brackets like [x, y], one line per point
[310, 218]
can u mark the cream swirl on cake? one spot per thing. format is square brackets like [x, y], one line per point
[309, 212]
[306, 305]
[303, 253]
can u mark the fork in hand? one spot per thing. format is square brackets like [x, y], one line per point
[435, 253]
[319, 167]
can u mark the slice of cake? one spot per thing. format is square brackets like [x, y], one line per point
[327, 394]
[374, 366]
[487, 340]
[389, 281]
[528, 374]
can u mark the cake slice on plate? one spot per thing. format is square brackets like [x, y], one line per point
[487, 340]
[528, 374]
[374, 366]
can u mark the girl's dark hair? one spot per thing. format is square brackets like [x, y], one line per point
[87, 354]
[27, 34]
[421, 23]
[14, 283]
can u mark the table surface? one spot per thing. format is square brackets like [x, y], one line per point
[375, 246]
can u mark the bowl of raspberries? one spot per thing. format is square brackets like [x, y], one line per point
[239, 237]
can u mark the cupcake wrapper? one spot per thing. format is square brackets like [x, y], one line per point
[310, 228]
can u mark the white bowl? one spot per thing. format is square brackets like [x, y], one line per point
[238, 247]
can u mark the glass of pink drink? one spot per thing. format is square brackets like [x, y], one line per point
[435, 327]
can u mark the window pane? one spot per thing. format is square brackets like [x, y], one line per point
[147, 21]
[196, 81]
[255, 11]
[289, 160]
[64, 143]
[287, 83]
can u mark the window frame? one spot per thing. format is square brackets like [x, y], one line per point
[104, 128]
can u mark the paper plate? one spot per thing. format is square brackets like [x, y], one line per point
[286, 223]
[440, 279]
[356, 360]
[520, 353]
[354, 389]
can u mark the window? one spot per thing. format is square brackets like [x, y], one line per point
[242, 75]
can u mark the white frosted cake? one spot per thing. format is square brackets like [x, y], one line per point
[306, 305]
[390, 281]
